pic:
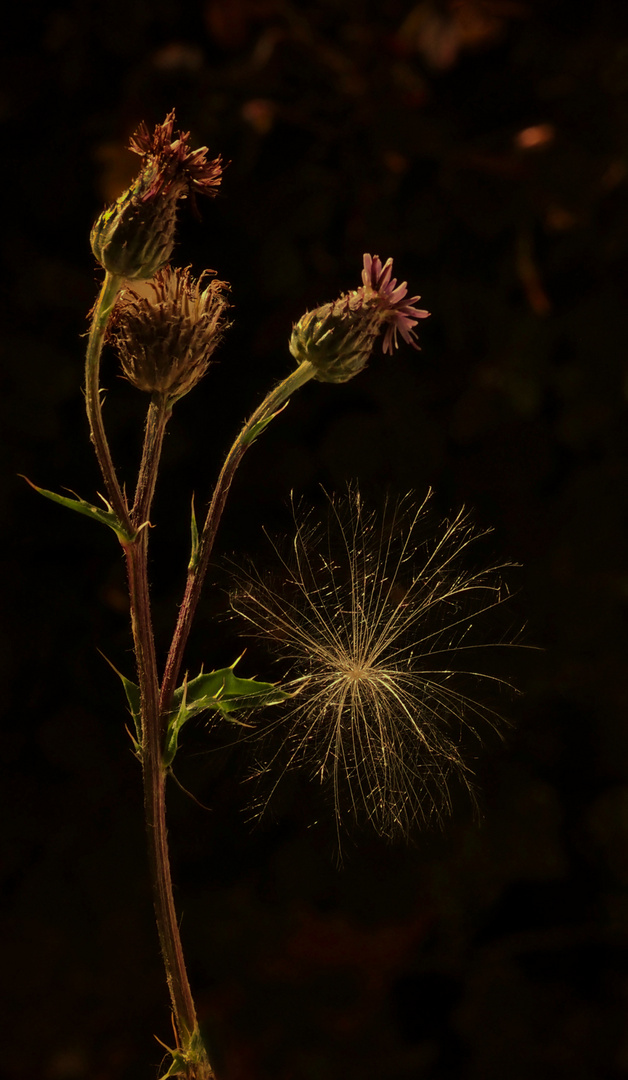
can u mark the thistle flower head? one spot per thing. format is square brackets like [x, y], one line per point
[134, 238]
[338, 338]
[380, 620]
[165, 340]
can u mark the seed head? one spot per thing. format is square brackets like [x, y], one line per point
[379, 619]
[165, 341]
[338, 338]
[134, 238]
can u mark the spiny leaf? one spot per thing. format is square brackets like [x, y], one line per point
[226, 691]
[106, 517]
[178, 1065]
[189, 1062]
[133, 697]
[222, 691]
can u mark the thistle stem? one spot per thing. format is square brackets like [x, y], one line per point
[271, 404]
[154, 777]
[153, 770]
[102, 311]
[154, 774]
[157, 417]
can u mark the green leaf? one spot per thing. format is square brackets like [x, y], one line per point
[106, 517]
[191, 1061]
[178, 1065]
[250, 436]
[224, 692]
[133, 697]
[195, 543]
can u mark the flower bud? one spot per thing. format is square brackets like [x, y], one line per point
[165, 341]
[335, 340]
[134, 238]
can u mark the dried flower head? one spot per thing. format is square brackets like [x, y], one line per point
[338, 338]
[134, 238]
[165, 340]
[176, 164]
[380, 619]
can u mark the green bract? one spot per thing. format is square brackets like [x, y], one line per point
[336, 340]
[134, 238]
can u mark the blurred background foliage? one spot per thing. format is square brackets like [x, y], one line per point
[484, 145]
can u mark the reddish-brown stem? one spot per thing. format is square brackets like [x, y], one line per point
[272, 403]
[157, 417]
[154, 789]
[154, 776]
[196, 575]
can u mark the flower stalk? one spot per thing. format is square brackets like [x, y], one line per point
[100, 318]
[157, 417]
[271, 405]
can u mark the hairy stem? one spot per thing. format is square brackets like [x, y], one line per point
[198, 567]
[154, 773]
[100, 317]
[157, 417]
[154, 785]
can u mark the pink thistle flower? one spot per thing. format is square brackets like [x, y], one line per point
[338, 338]
[397, 309]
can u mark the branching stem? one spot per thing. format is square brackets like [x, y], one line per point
[190, 1058]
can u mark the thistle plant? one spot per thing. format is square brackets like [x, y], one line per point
[370, 632]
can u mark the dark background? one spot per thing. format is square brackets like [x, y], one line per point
[484, 145]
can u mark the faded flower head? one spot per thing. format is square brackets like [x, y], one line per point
[380, 620]
[338, 338]
[165, 340]
[134, 238]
